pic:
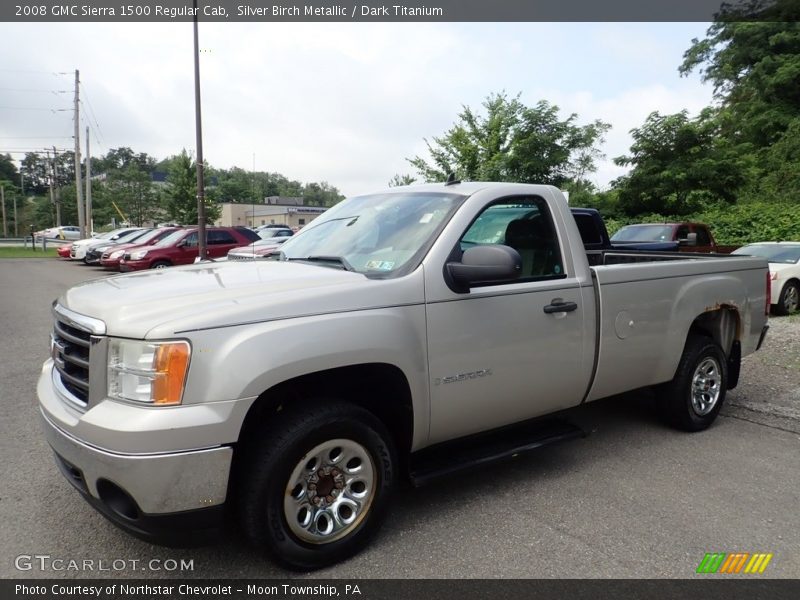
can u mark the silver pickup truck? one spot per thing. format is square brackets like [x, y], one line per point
[405, 334]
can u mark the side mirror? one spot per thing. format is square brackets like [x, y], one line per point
[690, 240]
[485, 264]
[182, 244]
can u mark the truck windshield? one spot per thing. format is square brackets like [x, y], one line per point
[643, 233]
[376, 234]
[774, 254]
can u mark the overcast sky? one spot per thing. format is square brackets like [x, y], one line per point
[337, 102]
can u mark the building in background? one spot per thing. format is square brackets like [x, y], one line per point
[276, 210]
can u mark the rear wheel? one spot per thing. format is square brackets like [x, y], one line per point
[694, 397]
[159, 264]
[789, 300]
[314, 484]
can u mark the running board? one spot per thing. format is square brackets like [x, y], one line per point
[453, 457]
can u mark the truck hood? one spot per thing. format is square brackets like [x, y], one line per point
[165, 302]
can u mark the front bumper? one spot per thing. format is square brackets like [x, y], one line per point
[173, 499]
[133, 265]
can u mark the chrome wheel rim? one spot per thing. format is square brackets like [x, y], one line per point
[706, 386]
[330, 491]
[791, 299]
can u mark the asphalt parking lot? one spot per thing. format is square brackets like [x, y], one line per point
[634, 499]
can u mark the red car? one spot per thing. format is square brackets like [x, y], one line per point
[111, 257]
[63, 250]
[180, 248]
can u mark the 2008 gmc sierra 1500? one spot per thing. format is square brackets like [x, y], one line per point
[382, 339]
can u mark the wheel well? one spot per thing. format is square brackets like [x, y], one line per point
[723, 325]
[380, 388]
[793, 280]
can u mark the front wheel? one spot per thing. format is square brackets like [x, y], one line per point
[789, 300]
[694, 397]
[315, 483]
[160, 264]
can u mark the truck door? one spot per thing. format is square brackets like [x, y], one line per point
[496, 356]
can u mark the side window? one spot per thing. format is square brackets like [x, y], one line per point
[703, 239]
[590, 234]
[682, 233]
[524, 224]
[191, 240]
[218, 237]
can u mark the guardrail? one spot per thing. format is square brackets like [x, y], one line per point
[34, 243]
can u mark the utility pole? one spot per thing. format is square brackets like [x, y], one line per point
[78, 187]
[88, 184]
[22, 191]
[201, 192]
[3, 202]
[54, 185]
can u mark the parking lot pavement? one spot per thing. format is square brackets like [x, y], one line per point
[634, 499]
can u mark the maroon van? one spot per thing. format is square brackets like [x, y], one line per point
[180, 248]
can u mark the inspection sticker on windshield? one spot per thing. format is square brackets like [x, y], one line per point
[380, 265]
[426, 218]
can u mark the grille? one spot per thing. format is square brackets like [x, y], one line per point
[71, 357]
[240, 257]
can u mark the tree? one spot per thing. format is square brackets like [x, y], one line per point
[751, 54]
[513, 142]
[181, 192]
[679, 162]
[120, 159]
[131, 189]
[321, 194]
[400, 180]
[8, 170]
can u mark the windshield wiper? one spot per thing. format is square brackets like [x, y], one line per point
[336, 260]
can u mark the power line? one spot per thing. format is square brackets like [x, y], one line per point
[54, 73]
[6, 89]
[53, 110]
[86, 120]
[92, 113]
[32, 150]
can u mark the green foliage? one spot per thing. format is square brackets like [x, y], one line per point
[752, 57]
[8, 170]
[781, 180]
[181, 192]
[238, 185]
[131, 189]
[509, 141]
[679, 163]
[401, 180]
[27, 252]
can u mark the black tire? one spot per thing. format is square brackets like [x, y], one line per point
[272, 455]
[679, 403]
[788, 299]
[160, 264]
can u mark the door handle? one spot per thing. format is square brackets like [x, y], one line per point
[558, 305]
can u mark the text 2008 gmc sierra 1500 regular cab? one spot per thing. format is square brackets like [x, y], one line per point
[295, 393]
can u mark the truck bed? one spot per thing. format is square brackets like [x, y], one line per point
[647, 301]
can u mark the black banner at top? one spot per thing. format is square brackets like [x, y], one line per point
[409, 11]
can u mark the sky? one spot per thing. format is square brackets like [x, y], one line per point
[345, 103]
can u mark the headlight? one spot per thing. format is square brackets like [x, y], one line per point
[138, 255]
[148, 372]
[116, 255]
